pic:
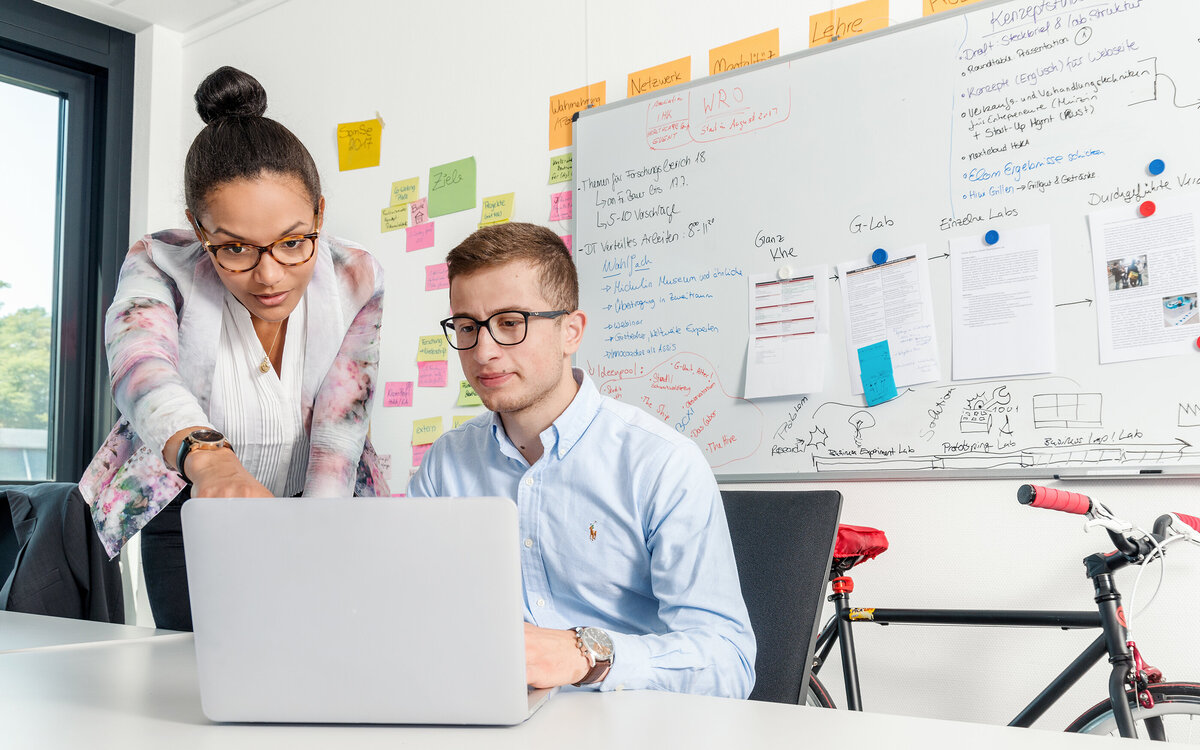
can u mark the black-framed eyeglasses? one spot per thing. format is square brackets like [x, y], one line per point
[507, 327]
[239, 257]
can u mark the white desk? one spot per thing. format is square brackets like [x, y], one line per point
[143, 694]
[19, 631]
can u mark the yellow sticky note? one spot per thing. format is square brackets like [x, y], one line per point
[393, 218]
[562, 168]
[432, 348]
[406, 191]
[564, 106]
[847, 21]
[425, 431]
[497, 209]
[661, 76]
[744, 52]
[358, 144]
[467, 395]
[929, 7]
[462, 419]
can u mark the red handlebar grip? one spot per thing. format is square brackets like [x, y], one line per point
[1189, 520]
[1054, 499]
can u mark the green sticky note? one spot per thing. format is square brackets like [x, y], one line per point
[432, 348]
[467, 395]
[562, 168]
[452, 187]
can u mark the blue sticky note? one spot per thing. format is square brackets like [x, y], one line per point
[875, 368]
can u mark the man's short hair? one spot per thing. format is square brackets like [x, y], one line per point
[505, 243]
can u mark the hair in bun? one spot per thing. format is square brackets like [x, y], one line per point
[228, 92]
[237, 142]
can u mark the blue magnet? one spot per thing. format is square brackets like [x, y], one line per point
[992, 237]
[1157, 166]
[879, 257]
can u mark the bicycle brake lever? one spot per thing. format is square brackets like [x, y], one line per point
[1101, 516]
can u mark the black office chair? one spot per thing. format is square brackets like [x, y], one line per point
[783, 544]
[51, 560]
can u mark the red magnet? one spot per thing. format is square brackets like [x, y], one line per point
[1147, 208]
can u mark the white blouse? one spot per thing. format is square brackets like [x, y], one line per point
[261, 412]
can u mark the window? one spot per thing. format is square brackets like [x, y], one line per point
[29, 149]
[66, 87]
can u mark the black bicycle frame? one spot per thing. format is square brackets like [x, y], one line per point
[1108, 616]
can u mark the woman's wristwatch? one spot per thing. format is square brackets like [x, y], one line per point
[597, 646]
[200, 440]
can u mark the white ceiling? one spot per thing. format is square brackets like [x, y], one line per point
[191, 18]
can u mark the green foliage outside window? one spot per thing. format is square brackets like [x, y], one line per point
[24, 368]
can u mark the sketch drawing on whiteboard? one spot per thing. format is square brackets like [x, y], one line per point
[1151, 63]
[860, 420]
[1189, 415]
[1067, 410]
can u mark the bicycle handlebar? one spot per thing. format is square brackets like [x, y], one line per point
[1054, 499]
[1164, 522]
[1189, 520]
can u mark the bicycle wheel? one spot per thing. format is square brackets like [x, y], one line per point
[1177, 704]
[817, 695]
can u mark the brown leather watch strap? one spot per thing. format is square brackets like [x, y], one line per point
[597, 673]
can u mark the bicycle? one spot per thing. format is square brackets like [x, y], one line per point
[1138, 697]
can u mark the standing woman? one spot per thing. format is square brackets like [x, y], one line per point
[243, 353]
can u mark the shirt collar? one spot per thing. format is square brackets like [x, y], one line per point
[561, 436]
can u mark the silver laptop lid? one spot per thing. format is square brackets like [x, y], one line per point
[372, 610]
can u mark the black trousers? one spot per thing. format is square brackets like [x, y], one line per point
[164, 566]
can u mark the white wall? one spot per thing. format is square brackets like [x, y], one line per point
[473, 78]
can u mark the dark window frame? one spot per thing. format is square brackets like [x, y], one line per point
[95, 64]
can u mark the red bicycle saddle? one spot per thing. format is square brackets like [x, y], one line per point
[857, 544]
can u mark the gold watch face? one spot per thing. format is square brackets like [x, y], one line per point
[205, 438]
[598, 642]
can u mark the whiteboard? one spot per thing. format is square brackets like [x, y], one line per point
[998, 116]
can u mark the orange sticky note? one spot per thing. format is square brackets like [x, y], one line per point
[847, 21]
[660, 76]
[929, 7]
[358, 144]
[744, 52]
[563, 106]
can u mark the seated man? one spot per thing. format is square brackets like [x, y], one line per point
[629, 575]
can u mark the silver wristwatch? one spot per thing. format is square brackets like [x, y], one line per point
[598, 648]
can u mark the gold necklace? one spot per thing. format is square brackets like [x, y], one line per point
[265, 365]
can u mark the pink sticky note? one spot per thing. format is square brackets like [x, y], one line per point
[419, 237]
[419, 211]
[436, 277]
[560, 206]
[397, 394]
[566, 238]
[431, 374]
[419, 453]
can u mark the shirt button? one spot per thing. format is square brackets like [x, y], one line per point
[541, 602]
[528, 543]
[528, 481]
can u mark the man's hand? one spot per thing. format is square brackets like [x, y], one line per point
[553, 658]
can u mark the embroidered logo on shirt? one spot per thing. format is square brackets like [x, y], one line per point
[592, 531]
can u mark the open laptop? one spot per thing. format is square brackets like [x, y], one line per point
[358, 610]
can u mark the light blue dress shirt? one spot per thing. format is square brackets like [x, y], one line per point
[621, 528]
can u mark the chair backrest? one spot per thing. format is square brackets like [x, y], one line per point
[783, 543]
[58, 566]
